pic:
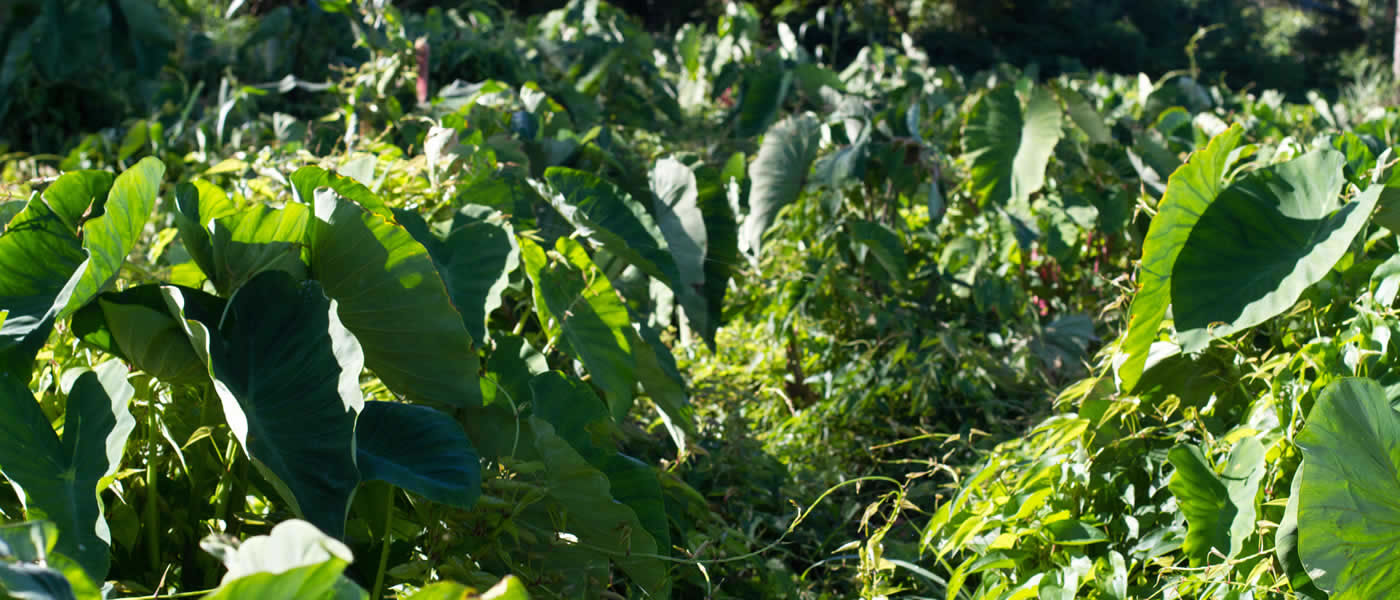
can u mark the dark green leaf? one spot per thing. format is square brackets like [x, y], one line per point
[60, 477]
[475, 259]
[110, 237]
[256, 239]
[575, 301]
[287, 373]
[419, 449]
[1009, 149]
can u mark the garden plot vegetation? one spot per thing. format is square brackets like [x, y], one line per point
[697, 316]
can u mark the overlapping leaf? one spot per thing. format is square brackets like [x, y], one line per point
[578, 304]
[1009, 148]
[287, 373]
[390, 294]
[419, 449]
[1261, 243]
[59, 477]
[1190, 191]
[1219, 508]
[475, 258]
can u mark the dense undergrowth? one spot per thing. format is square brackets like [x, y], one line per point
[560, 308]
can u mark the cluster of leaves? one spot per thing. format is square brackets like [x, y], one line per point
[1231, 442]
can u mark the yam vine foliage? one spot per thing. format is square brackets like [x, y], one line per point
[694, 315]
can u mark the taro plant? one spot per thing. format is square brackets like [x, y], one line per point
[284, 314]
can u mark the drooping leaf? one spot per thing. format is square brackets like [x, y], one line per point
[392, 298]
[60, 477]
[576, 302]
[1008, 148]
[419, 449]
[761, 95]
[614, 220]
[680, 219]
[1261, 243]
[1084, 116]
[108, 238]
[884, 245]
[1190, 190]
[580, 417]
[287, 374]
[295, 560]
[1220, 508]
[599, 520]
[722, 238]
[662, 381]
[475, 259]
[1347, 535]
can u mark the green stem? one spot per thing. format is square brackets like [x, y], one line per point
[384, 548]
[176, 595]
[152, 494]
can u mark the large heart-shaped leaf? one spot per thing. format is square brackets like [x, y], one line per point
[761, 94]
[778, 173]
[576, 302]
[391, 296]
[613, 220]
[578, 416]
[1008, 148]
[110, 237]
[722, 239]
[475, 258]
[1219, 509]
[1082, 113]
[1348, 535]
[287, 373]
[419, 449]
[682, 223]
[1190, 191]
[1264, 240]
[59, 477]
